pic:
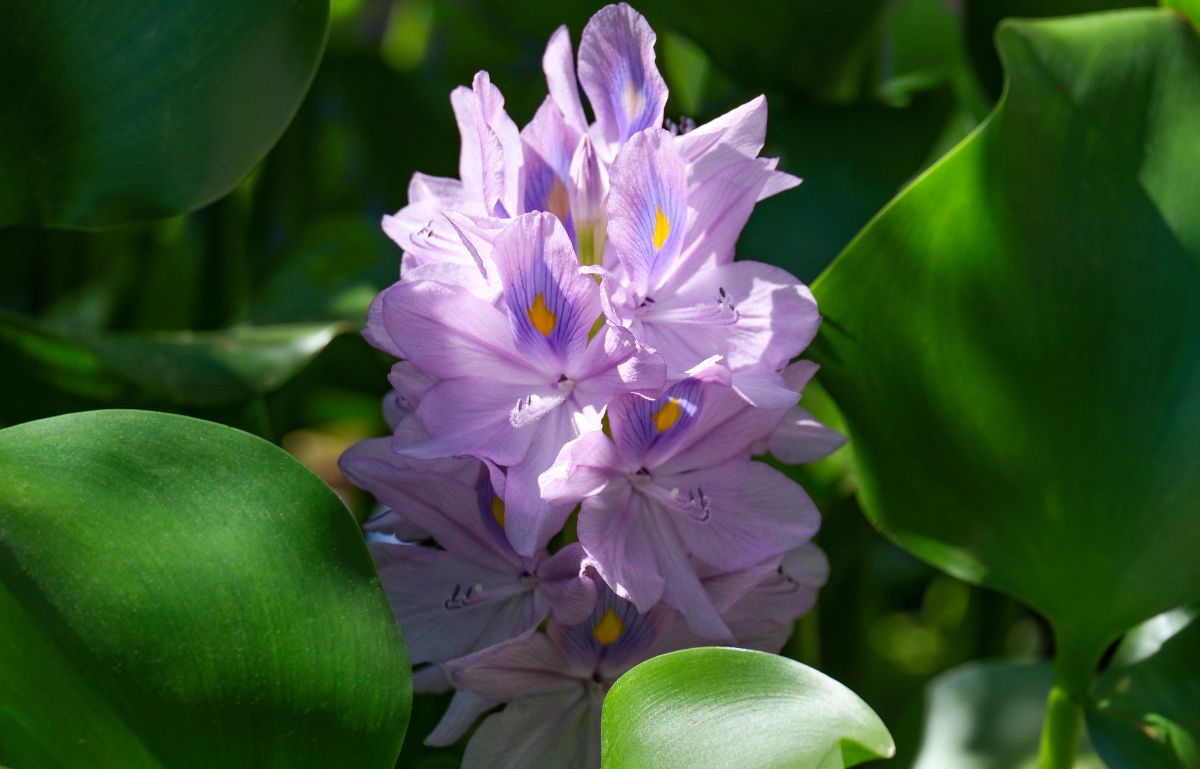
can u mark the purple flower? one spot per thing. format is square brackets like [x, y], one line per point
[674, 285]
[554, 684]
[475, 590]
[513, 384]
[673, 488]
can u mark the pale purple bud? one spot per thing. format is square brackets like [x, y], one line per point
[589, 192]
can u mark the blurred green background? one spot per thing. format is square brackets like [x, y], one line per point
[245, 311]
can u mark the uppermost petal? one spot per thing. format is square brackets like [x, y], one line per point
[618, 73]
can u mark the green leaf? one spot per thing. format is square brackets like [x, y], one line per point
[1145, 710]
[736, 709]
[139, 109]
[201, 368]
[1012, 341]
[175, 593]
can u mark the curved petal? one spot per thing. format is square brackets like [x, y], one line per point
[529, 520]
[647, 208]
[618, 73]
[747, 513]
[559, 65]
[584, 467]
[465, 708]
[566, 585]
[446, 332]
[615, 363]
[448, 606]
[774, 317]
[549, 145]
[551, 304]
[801, 438]
[616, 531]
[526, 666]
[481, 417]
[554, 730]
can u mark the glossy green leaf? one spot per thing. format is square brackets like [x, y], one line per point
[176, 594]
[130, 110]
[1012, 340]
[1145, 710]
[201, 368]
[736, 709]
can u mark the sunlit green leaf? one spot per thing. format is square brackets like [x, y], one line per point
[1013, 340]
[134, 109]
[175, 593]
[1145, 710]
[736, 709]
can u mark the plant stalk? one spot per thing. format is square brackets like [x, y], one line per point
[1064, 710]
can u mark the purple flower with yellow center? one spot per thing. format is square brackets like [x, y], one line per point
[674, 284]
[516, 382]
[554, 684]
[674, 491]
[474, 590]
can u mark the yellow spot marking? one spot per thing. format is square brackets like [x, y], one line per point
[668, 415]
[558, 202]
[498, 510]
[662, 228]
[542, 318]
[609, 629]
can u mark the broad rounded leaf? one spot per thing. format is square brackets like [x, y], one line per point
[178, 594]
[138, 109]
[1145, 710]
[1012, 340]
[736, 709]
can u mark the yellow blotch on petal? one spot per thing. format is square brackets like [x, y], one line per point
[662, 228]
[668, 415]
[542, 318]
[498, 510]
[609, 629]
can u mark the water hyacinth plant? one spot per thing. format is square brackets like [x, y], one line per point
[579, 350]
[676, 458]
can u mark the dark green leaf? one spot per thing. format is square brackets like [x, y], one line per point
[202, 368]
[134, 109]
[174, 593]
[1013, 340]
[736, 709]
[1145, 710]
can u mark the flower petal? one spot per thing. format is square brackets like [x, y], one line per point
[529, 520]
[618, 73]
[747, 513]
[615, 529]
[615, 363]
[445, 331]
[551, 304]
[800, 438]
[582, 469]
[465, 708]
[564, 582]
[526, 666]
[559, 65]
[448, 606]
[647, 208]
[549, 145]
[490, 161]
[559, 730]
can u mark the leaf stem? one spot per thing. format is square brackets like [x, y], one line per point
[1064, 710]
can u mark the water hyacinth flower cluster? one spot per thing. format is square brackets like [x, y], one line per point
[584, 376]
